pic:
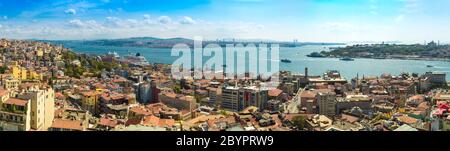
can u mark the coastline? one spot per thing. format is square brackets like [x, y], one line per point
[395, 58]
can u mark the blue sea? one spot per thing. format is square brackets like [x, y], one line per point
[317, 66]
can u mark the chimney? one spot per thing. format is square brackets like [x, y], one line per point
[306, 72]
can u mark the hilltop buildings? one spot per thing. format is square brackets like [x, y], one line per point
[47, 87]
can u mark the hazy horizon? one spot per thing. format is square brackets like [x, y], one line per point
[331, 21]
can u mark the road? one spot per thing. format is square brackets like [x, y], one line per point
[292, 105]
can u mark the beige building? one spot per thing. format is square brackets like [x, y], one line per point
[42, 107]
[90, 101]
[178, 101]
[19, 72]
[327, 103]
[11, 83]
[15, 114]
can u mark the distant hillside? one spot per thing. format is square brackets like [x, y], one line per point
[387, 51]
[152, 42]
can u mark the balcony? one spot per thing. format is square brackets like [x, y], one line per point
[13, 110]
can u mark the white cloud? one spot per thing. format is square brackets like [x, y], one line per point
[165, 20]
[400, 18]
[187, 21]
[117, 22]
[89, 24]
[146, 16]
[76, 22]
[1, 26]
[70, 11]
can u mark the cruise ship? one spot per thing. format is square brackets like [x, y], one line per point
[136, 60]
[113, 54]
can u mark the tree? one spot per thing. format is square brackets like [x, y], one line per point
[3, 69]
[125, 66]
[176, 89]
[300, 122]
[223, 112]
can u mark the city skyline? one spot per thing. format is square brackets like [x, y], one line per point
[409, 21]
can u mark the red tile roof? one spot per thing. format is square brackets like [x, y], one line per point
[407, 119]
[3, 92]
[140, 111]
[89, 93]
[155, 121]
[275, 92]
[150, 120]
[349, 118]
[308, 94]
[16, 101]
[67, 124]
[417, 97]
[108, 122]
[133, 121]
[59, 95]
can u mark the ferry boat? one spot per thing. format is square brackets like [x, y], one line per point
[315, 55]
[286, 60]
[347, 59]
[430, 66]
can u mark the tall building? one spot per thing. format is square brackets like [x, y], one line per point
[147, 92]
[230, 96]
[214, 95]
[155, 90]
[90, 101]
[327, 103]
[42, 107]
[144, 93]
[237, 99]
[252, 96]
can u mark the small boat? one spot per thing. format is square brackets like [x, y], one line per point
[315, 55]
[286, 60]
[430, 66]
[347, 59]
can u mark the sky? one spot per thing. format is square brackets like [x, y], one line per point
[409, 21]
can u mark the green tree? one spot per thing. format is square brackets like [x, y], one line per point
[3, 69]
[176, 89]
[222, 112]
[300, 122]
